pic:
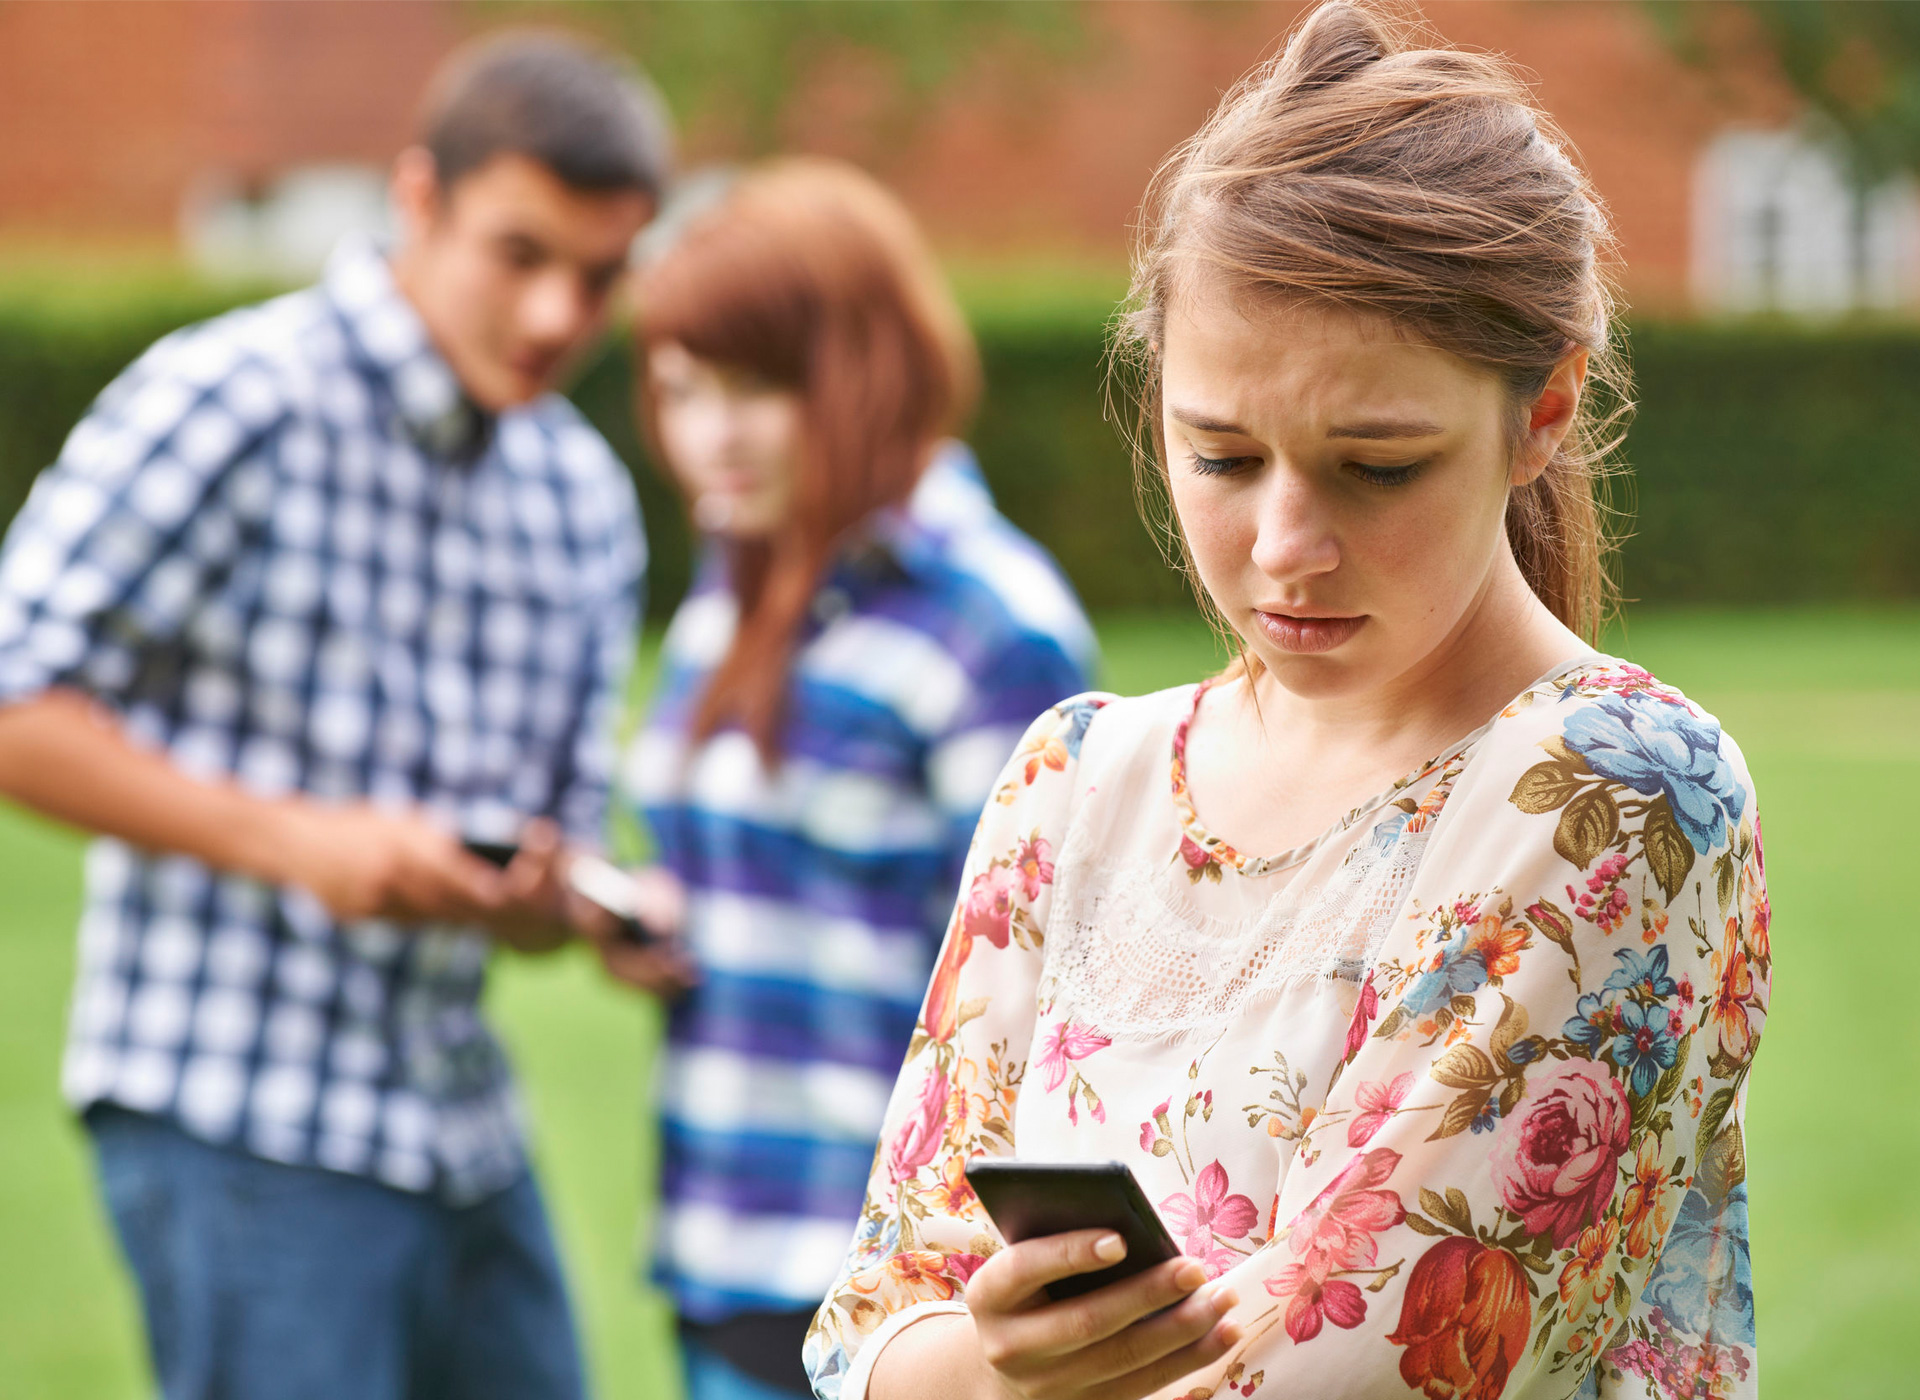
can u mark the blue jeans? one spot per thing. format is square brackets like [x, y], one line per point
[269, 1282]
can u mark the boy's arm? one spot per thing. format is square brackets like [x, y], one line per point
[67, 757]
[115, 553]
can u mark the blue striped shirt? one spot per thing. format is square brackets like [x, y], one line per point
[818, 892]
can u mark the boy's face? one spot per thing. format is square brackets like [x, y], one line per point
[511, 268]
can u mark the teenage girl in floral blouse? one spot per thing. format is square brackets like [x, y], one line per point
[1442, 1091]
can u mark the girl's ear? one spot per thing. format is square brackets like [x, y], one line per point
[1550, 417]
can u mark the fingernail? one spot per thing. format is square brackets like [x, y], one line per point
[1189, 1277]
[1224, 1300]
[1110, 1248]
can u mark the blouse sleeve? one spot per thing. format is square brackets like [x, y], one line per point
[922, 1232]
[1527, 1175]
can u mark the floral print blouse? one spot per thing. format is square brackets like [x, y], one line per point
[1452, 1095]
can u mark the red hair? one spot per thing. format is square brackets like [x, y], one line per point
[813, 276]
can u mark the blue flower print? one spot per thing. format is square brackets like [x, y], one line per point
[1079, 714]
[1526, 1050]
[1591, 1024]
[876, 1236]
[1645, 1045]
[1655, 747]
[1386, 833]
[1461, 973]
[1704, 1280]
[1643, 972]
[830, 1374]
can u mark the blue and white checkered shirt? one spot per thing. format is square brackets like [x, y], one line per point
[286, 549]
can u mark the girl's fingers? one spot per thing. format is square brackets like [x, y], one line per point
[1220, 1339]
[1155, 1338]
[1071, 1326]
[1013, 1278]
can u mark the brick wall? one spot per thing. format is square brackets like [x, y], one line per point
[113, 110]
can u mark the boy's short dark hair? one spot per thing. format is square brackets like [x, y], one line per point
[589, 116]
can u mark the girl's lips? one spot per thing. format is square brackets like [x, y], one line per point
[1307, 635]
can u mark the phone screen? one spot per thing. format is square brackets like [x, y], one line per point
[1031, 1199]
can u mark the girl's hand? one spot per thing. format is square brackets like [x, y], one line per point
[662, 965]
[1116, 1343]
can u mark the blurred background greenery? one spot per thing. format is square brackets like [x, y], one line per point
[1758, 158]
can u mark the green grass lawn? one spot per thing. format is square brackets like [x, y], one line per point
[1826, 705]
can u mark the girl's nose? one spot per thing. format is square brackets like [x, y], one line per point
[1295, 538]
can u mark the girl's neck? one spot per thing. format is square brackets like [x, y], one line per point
[1503, 643]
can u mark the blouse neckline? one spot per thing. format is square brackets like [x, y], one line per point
[1206, 854]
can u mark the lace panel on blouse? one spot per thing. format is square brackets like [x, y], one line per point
[1139, 944]
[1130, 951]
[1142, 945]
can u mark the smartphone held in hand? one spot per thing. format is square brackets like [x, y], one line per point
[599, 882]
[1031, 1199]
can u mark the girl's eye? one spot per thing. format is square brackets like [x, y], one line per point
[1385, 476]
[1217, 466]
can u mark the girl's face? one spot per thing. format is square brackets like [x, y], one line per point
[731, 438]
[1342, 488]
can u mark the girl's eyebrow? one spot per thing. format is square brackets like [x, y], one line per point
[1378, 430]
[1385, 429]
[1200, 422]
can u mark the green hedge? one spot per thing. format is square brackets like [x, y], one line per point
[1770, 464]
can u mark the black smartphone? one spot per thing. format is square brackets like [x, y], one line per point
[597, 881]
[1030, 1199]
[500, 853]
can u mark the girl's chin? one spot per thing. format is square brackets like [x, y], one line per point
[734, 517]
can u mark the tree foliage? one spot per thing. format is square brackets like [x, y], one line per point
[1856, 64]
[731, 67]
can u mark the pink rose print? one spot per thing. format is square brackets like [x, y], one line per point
[1209, 1212]
[989, 910]
[1034, 867]
[1555, 1161]
[962, 1266]
[1195, 858]
[1064, 1043]
[919, 1137]
[1363, 1013]
[1335, 1234]
[1377, 1103]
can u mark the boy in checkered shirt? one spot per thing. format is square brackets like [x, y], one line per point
[316, 590]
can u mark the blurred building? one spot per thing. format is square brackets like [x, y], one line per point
[251, 132]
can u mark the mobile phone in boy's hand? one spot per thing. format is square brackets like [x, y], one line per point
[1030, 1199]
[601, 883]
[495, 853]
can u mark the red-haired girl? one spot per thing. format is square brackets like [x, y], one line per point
[863, 646]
